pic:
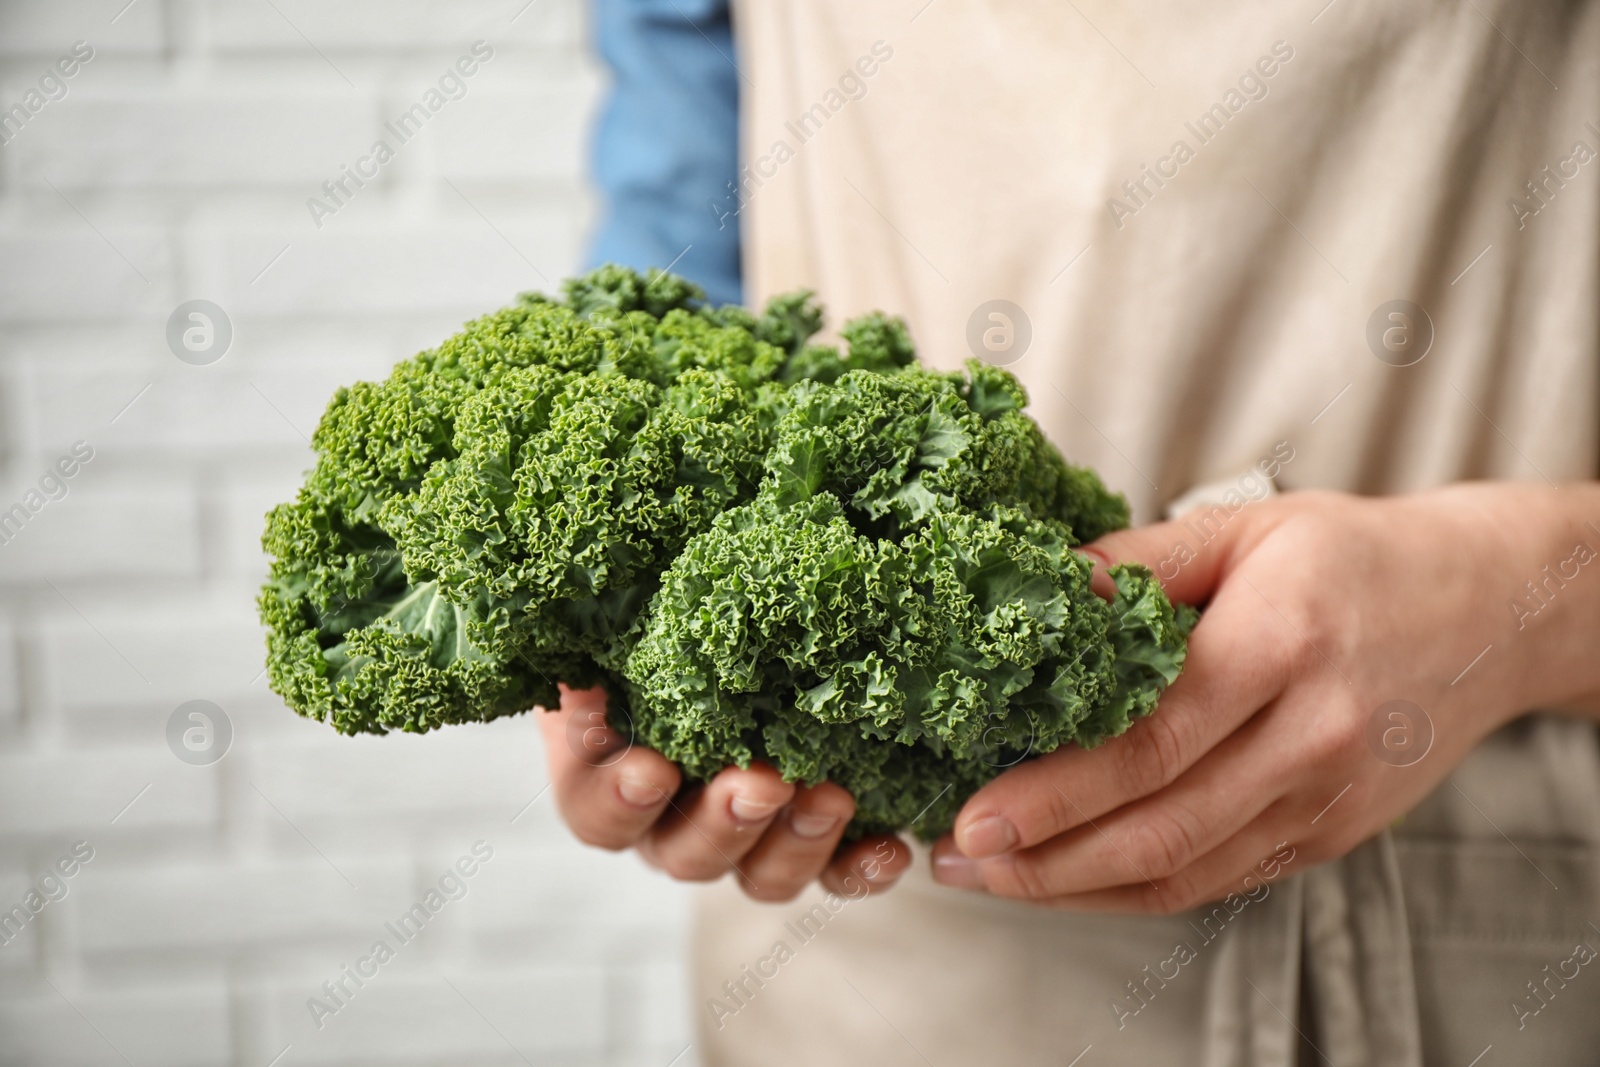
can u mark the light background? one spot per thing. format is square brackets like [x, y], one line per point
[178, 166]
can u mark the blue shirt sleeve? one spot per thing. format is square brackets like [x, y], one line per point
[665, 154]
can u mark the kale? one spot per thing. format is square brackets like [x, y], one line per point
[766, 549]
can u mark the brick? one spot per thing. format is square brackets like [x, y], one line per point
[678, 1054]
[603, 898]
[49, 30]
[73, 273]
[388, 25]
[242, 508]
[269, 404]
[261, 720]
[552, 1008]
[191, 410]
[655, 997]
[207, 908]
[19, 954]
[141, 138]
[266, 393]
[77, 794]
[356, 266]
[71, 400]
[179, 1024]
[208, 915]
[25, 346]
[488, 770]
[102, 529]
[491, 1014]
[550, 126]
[10, 675]
[352, 348]
[189, 650]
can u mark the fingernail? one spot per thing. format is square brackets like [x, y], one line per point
[1096, 554]
[807, 824]
[987, 837]
[747, 810]
[640, 793]
[956, 871]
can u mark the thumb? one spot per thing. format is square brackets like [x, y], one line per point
[1189, 554]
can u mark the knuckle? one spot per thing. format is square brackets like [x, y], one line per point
[1154, 754]
[1348, 740]
[1018, 877]
[1335, 738]
[690, 867]
[1316, 526]
[881, 867]
[786, 869]
[1280, 660]
[1165, 843]
[1174, 895]
[770, 891]
[1340, 841]
[607, 838]
[1295, 652]
[1315, 633]
[1056, 813]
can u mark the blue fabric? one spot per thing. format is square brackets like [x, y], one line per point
[666, 147]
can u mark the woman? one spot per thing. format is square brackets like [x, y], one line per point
[1350, 249]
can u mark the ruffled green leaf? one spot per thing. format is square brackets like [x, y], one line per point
[768, 549]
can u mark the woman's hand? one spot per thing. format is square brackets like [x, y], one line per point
[1323, 608]
[779, 837]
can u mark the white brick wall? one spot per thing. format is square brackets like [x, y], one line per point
[221, 897]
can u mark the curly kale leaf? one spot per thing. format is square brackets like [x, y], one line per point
[569, 495]
[876, 343]
[768, 549]
[620, 289]
[353, 643]
[929, 664]
[897, 448]
[533, 475]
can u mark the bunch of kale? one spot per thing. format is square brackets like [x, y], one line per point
[835, 562]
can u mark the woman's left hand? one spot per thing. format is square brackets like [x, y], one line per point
[1280, 745]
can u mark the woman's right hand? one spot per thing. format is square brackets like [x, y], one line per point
[778, 837]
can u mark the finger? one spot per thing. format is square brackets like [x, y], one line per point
[1239, 660]
[1159, 836]
[1190, 554]
[867, 866]
[1238, 873]
[799, 843]
[609, 793]
[708, 830]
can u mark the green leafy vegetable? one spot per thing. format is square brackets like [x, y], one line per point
[767, 549]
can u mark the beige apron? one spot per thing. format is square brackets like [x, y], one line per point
[1199, 209]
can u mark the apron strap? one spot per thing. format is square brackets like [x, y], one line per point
[1359, 962]
[1341, 929]
[1254, 991]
